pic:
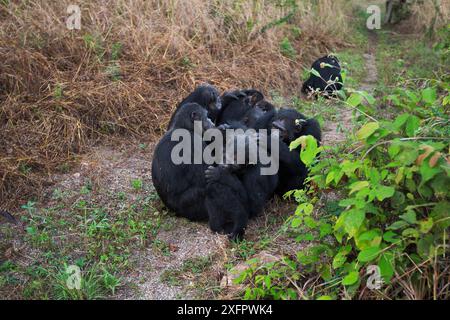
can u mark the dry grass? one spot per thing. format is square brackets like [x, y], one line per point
[123, 72]
[430, 14]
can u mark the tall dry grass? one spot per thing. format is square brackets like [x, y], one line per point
[122, 74]
[428, 16]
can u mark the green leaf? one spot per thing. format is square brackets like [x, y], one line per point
[426, 225]
[330, 177]
[390, 237]
[296, 222]
[357, 186]
[309, 149]
[351, 278]
[315, 72]
[397, 225]
[383, 192]
[355, 99]
[367, 130]
[386, 265]
[400, 120]
[368, 235]
[369, 254]
[409, 216]
[429, 95]
[428, 172]
[412, 125]
[410, 233]
[353, 221]
[339, 259]
[425, 245]
[324, 298]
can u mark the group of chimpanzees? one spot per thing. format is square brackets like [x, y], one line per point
[225, 194]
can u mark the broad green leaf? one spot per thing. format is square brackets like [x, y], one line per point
[355, 99]
[427, 172]
[370, 99]
[356, 186]
[409, 216]
[368, 235]
[351, 278]
[309, 148]
[339, 259]
[394, 149]
[412, 125]
[330, 177]
[383, 192]
[353, 221]
[425, 245]
[325, 229]
[429, 95]
[390, 237]
[400, 120]
[386, 265]
[296, 222]
[367, 130]
[369, 254]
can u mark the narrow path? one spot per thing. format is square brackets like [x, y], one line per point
[335, 132]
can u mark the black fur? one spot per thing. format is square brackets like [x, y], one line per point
[245, 106]
[292, 125]
[237, 192]
[181, 187]
[327, 73]
[207, 96]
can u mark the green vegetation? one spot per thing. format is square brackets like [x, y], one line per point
[377, 201]
[391, 179]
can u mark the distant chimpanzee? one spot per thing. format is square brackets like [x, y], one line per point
[207, 96]
[330, 79]
[237, 192]
[242, 105]
[292, 125]
[182, 186]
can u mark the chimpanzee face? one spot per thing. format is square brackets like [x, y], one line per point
[202, 115]
[289, 125]
[211, 99]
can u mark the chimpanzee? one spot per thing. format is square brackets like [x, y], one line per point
[226, 201]
[181, 187]
[330, 79]
[205, 95]
[242, 105]
[292, 125]
[237, 192]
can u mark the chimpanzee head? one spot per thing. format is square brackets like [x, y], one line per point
[290, 123]
[208, 97]
[252, 97]
[188, 114]
[264, 105]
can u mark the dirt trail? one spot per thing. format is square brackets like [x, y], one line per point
[336, 131]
